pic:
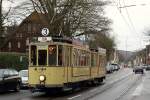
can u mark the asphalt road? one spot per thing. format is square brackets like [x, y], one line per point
[118, 90]
[140, 91]
[135, 87]
[114, 86]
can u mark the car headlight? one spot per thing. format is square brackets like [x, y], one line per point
[24, 81]
[42, 78]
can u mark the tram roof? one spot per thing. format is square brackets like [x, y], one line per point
[62, 39]
[73, 41]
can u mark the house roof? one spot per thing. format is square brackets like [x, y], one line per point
[36, 18]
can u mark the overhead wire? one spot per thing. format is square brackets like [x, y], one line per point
[126, 22]
[129, 18]
[128, 15]
[130, 24]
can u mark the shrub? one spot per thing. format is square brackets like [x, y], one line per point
[16, 61]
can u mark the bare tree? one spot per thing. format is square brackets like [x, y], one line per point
[3, 16]
[70, 17]
[12, 16]
[20, 11]
[73, 17]
[103, 40]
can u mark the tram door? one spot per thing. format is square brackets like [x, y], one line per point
[67, 61]
[38, 60]
[42, 57]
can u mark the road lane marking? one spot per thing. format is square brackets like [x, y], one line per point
[138, 90]
[74, 97]
[93, 90]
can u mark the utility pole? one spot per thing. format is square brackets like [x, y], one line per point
[1, 21]
[126, 49]
[1, 25]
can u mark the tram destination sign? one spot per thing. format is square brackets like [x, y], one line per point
[44, 39]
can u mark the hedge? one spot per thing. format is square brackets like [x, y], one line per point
[16, 61]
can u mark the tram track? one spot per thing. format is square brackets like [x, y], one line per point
[106, 87]
[129, 87]
[97, 90]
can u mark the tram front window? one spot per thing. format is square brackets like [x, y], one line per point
[42, 58]
[52, 53]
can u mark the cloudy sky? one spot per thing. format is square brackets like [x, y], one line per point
[129, 23]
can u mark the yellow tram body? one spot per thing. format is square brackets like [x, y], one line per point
[71, 64]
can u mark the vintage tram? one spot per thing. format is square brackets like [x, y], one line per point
[61, 63]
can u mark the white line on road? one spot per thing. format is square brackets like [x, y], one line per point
[74, 97]
[93, 90]
[138, 90]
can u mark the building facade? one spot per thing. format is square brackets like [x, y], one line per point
[148, 54]
[30, 27]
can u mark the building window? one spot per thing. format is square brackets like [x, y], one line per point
[34, 27]
[27, 41]
[9, 45]
[24, 27]
[18, 44]
[29, 28]
[21, 35]
[17, 35]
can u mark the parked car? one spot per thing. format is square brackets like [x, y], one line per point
[147, 68]
[138, 70]
[144, 66]
[115, 67]
[9, 80]
[109, 68]
[24, 78]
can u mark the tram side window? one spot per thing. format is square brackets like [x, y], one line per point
[33, 55]
[42, 58]
[93, 60]
[52, 54]
[99, 61]
[75, 57]
[60, 58]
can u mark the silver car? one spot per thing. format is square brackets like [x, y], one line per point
[24, 78]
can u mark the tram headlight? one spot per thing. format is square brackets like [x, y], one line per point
[42, 78]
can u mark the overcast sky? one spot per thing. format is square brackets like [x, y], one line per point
[129, 23]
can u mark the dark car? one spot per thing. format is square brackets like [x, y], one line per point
[138, 70]
[144, 66]
[9, 80]
[147, 68]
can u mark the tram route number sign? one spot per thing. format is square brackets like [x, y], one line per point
[45, 31]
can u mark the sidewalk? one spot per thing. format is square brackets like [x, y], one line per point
[142, 91]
